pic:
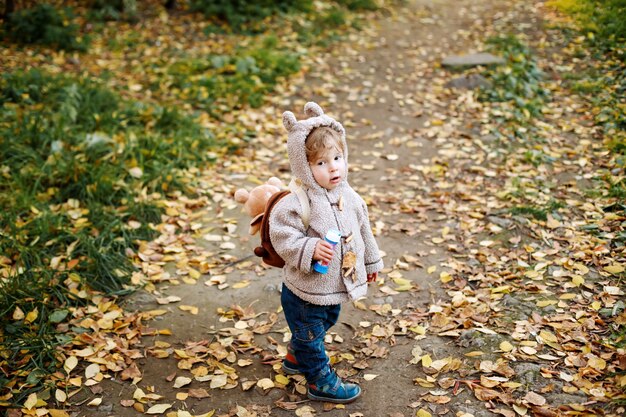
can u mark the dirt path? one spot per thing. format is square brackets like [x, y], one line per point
[387, 88]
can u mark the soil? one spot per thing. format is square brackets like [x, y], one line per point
[383, 85]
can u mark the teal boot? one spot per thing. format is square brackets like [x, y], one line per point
[332, 389]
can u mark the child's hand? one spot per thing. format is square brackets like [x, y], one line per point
[372, 277]
[323, 251]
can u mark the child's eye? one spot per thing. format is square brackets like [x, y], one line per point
[320, 163]
[338, 157]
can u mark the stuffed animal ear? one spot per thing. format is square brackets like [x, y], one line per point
[289, 120]
[275, 182]
[241, 196]
[313, 109]
[255, 224]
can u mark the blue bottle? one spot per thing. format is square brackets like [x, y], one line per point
[333, 237]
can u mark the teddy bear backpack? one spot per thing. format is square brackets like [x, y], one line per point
[261, 222]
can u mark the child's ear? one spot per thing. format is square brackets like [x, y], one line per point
[313, 109]
[289, 120]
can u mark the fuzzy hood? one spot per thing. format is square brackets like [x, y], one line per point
[339, 209]
[298, 130]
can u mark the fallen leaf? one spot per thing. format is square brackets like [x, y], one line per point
[534, 398]
[181, 381]
[158, 408]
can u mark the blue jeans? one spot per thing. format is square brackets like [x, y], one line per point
[308, 324]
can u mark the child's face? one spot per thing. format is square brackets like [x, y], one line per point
[329, 169]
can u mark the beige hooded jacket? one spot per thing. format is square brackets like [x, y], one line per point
[341, 209]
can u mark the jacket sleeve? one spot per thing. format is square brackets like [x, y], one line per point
[288, 236]
[372, 258]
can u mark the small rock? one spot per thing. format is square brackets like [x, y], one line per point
[499, 221]
[269, 288]
[140, 299]
[106, 408]
[509, 301]
[549, 309]
[489, 138]
[378, 301]
[565, 399]
[472, 60]
[389, 300]
[528, 373]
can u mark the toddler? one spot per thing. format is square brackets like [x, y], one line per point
[311, 301]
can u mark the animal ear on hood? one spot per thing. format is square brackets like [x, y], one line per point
[289, 120]
[312, 109]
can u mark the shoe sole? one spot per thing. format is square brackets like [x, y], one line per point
[290, 371]
[314, 397]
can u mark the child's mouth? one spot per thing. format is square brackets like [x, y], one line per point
[335, 179]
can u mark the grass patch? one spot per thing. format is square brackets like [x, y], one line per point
[601, 29]
[79, 169]
[232, 81]
[247, 16]
[601, 22]
[46, 25]
[539, 213]
[517, 83]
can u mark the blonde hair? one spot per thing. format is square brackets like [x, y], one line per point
[321, 140]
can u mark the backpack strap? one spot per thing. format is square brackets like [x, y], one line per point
[296, 187]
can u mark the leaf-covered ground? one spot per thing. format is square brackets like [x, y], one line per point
[503, 291]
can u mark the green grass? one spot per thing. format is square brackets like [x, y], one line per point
[71, 154]
[601, 31]
[232, 81]
[518, 82]
[539, 213]
[45, 25]
[601, 22]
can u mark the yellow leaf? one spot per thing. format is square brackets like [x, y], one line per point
[577, 280]
[597, 363]
[32, 316]
[506, 346]
[369, 377]
[474, 353]
[195, 274]
[596, 305]
[60, 396]
[181, 381]
[70, 363]
[241, 284]
[552, 223]
[547, 336]
[30, 401]
[423, 413]
[545, 303]
[432, 269]
[192, 309]
[614, 269]
[158, 409]
[18, 314]
[426, 360]
[92, 370]
[567, 296]
[445, 277]
[418, 329]
[95, 402]
[58, 413]
[501, 289]
[281, 379]
[265, 383]
[402, 281]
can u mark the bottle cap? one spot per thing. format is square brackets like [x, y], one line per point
[333, 236]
